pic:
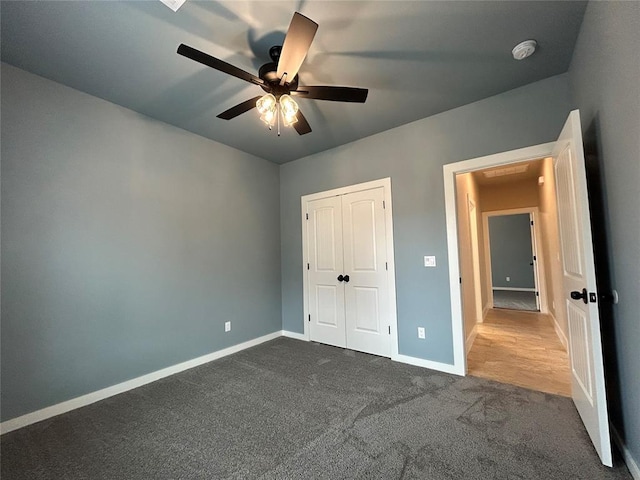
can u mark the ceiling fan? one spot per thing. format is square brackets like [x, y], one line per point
[279, 79]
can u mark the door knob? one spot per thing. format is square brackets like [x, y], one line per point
[580, 295]
[346, 278]
[340, 278]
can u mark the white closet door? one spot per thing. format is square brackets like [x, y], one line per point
[366, 291]
[326, 293]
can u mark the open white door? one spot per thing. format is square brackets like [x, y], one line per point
[579, 282]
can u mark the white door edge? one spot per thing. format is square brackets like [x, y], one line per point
[450, 171]
[388, 215]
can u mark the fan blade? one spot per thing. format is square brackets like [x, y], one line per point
[218, 64]
[239, 109]
[296, 45]
[334, 94]
[301, 126]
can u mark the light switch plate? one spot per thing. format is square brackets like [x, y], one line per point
[429, 261]
[421, 333]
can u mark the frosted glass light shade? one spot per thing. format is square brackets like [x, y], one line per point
[289, 109]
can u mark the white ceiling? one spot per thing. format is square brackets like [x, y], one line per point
[416, 58]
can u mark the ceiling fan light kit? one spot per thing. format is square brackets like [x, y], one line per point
[272, 109]
[279, 79]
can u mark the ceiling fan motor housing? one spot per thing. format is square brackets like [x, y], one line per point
[268, 73]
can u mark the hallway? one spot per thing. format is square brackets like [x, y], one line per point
[521, 349]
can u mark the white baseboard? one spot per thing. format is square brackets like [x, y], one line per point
[559, 332]
[485, 311]
[420, 362]
[88, 399]
[296, 335]
[514, 289]
[472, 336]
[632, 465]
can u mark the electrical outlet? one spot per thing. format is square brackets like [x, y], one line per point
[227, 326]
[508, 279]
[421, 332]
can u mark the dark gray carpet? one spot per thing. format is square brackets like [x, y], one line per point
[515, 300]
[291, 409]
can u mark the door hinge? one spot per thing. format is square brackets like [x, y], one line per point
[460, 280]
[386, 266]
[307, 266]
[389, 329]
[531, 222]
[534, 258]
[309, 317]
[307, 216]
[383, 205]
[537, 294]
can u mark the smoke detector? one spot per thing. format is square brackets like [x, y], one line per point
[524, 49]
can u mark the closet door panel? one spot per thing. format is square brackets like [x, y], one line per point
[366, 292]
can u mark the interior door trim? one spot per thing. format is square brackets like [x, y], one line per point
[385, 183]
[449, 173]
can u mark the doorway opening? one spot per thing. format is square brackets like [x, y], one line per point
[506, 273]
[514, 260]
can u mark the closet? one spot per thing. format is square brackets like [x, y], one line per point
[347, 269]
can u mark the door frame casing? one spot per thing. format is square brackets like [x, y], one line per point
[450, 171]
[385, 183]
[538, 266]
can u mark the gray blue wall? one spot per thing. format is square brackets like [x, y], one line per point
[126, 244]
[605, 85]
[511, 255]
[413, 156]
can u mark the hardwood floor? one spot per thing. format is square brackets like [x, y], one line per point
[520, 348]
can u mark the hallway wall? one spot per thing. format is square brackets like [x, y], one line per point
[467, 189]
[511, 251]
